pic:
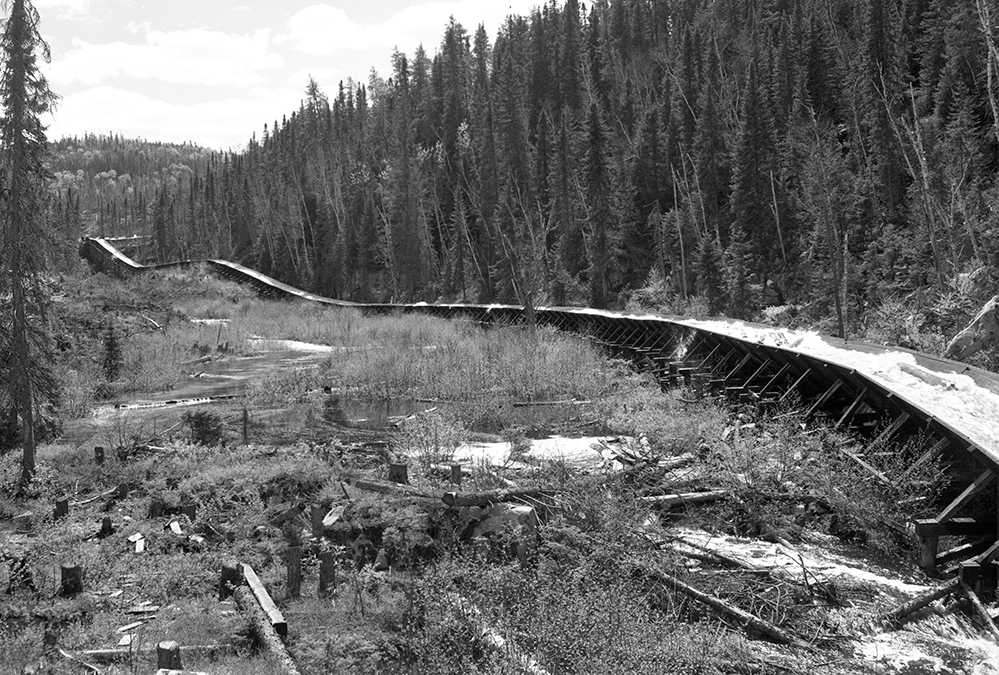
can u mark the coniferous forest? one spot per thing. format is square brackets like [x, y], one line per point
[716, 156]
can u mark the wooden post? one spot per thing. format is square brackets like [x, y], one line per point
[122, 492]
[294, 571]
[61, 507]
[191, 511]
[71, 581]
[399, 473]
[99, 455]
[327, 574]
[106, 529]
[928, 552]
[246, 427]
[228, 580]
[456, 474]
[317, 514]
[168, 655]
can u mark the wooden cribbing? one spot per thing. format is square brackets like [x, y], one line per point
[270, 610]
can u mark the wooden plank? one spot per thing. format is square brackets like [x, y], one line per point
[774, 380]
[962, 552]
[969, 493]
[274, 614]
[955, 527]
[848, 413]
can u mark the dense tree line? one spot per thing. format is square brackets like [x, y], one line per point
[825, 153]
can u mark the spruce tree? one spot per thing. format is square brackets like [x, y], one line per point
[25, 97]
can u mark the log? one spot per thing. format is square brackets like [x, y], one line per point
[95, 498]
[895, 617]
[737, 614]
[264, 631]
[124, 654]
[389, 488]
[264, 600]
[980, 610]
[668, 501]
[670, 463]
[494, 496]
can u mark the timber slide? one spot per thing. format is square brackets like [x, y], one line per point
[895, 400]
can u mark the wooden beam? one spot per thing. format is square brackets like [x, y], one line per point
[871, 469]
[848, 413]
[797, 383]
[263, 598]
[890, 430]
[745, 359]
[822, 400]
[969, 493]
[932, 453]
[955, 527]
[962, 552]
[773, 380]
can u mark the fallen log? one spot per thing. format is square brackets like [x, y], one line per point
[667, 501]
[740, 616]
[95, 498]
[389, 489]
[979, 608]
[263, 631]
[274, 617]
[895, 617]
[494, 496]
[670, 463]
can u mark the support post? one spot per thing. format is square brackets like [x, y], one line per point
[71, 580]
[61, 507]
[327, 574]
[228, 580]
[399, 473]
[317, 514]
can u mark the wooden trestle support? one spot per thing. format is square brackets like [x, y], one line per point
[679, 352]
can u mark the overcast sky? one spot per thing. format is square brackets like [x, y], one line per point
[214, 71]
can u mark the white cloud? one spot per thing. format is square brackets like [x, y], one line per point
[64, 6]
[328, 79]
[322, 30]
[194, 56]
[220, 123]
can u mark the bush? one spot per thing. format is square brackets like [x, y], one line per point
[206, 427]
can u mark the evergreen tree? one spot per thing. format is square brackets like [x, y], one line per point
[25, 97]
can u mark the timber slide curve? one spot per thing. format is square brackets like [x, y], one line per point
[898, 400]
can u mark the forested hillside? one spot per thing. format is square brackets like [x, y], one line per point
[833, 155]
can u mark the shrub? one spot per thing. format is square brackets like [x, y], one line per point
[206, 427]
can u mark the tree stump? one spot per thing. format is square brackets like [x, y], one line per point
[61, 507]
[294, 571]
[399, 473]
[71, 580]
[228, 580]
[327, 574]
[99, 455]
[168, 655]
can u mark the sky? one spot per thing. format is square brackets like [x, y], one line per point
[213, 72]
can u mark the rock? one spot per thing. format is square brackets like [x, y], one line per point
[518, 522]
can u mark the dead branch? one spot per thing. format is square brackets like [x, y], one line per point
[96, 497]
[668, 501]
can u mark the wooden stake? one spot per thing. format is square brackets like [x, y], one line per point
[71, 581]
[168, 655]
[327, 574]
[294, 571]
[246, 427]
[106, 529]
